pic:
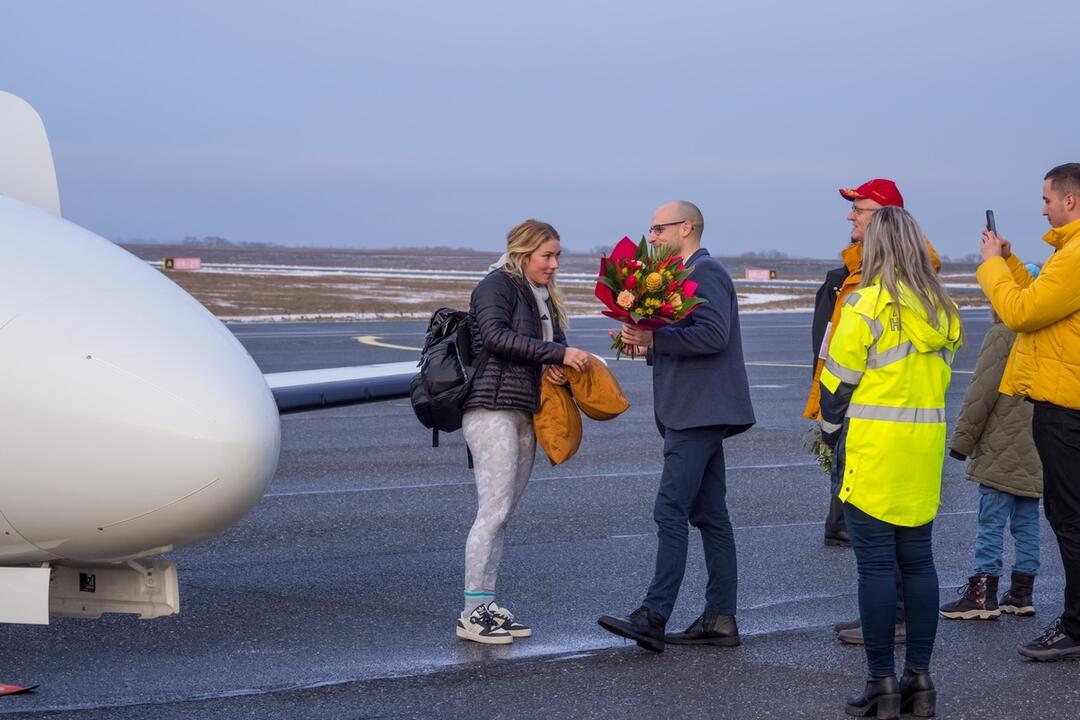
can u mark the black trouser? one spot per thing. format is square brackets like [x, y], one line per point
[835, 526]
[1057, 438]
[693, 491]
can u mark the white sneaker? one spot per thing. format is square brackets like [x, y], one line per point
[504, 619]
[483, 627]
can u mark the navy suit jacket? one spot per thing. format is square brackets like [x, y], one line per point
[699, 377]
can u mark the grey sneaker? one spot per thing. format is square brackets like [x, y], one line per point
[854, 636]
[504, 619]
[1053, 644]
[846, 625]
[482, 627]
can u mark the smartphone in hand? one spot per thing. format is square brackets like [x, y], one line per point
[990, 224]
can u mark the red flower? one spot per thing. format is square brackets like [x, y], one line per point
[666, 309]
[630, 282]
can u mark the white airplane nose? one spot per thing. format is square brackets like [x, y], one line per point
[132, 421]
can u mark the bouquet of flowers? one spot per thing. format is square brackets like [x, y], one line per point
[822, 453]
[645, 287]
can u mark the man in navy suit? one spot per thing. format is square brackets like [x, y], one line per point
[700, 397]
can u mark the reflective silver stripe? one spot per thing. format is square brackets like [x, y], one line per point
[896, 414]
[852, 299]
[887, 357]
[851, 377]
[876, 328]
[876, 360]
[828, 427]
[870, 324]
[946, 354]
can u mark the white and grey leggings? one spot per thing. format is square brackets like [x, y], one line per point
[503, 446]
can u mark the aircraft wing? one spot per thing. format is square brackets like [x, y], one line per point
[301, 390]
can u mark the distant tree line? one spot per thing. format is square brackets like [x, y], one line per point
[969, 258]
[764, 255]
[220, 242]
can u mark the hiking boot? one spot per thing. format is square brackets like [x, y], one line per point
[709, 629]
[978, 600]
[645, 626]
[482, 627]
[854, 636]
[504, 619]
[1017, 601]
[1053, 644]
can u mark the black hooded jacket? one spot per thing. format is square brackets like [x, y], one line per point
[509, 331]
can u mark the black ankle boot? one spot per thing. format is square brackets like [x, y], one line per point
[880, 699]
[917, 693]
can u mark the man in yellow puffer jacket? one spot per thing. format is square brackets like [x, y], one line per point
[1044, 366]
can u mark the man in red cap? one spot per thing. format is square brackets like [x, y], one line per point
[840, 282]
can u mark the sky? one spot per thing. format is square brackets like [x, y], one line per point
[423, 123]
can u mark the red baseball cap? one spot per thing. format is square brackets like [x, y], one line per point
[883, 192]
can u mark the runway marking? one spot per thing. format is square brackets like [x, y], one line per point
[374, 341]
[777, 526]
[783, 365]
[807, 367]
[458, 483]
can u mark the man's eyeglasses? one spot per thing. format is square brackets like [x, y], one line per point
[857, 210]
[659, 227]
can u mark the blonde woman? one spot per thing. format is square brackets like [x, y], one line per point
[883, 409]
[520, 316]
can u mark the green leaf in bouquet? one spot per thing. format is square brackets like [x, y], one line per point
[609, 283]
[689, 303]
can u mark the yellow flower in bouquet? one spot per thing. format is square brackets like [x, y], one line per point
[644, 287]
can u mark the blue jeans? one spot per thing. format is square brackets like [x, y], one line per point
[693, 491]
[1022, 514]
[879, 547]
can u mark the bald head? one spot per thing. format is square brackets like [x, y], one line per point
[677, 225]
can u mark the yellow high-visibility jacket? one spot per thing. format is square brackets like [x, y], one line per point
[1044, 363]
[883, 404]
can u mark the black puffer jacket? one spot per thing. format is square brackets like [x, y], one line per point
[508, 327]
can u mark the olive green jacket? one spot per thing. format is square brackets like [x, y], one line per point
[994, 430]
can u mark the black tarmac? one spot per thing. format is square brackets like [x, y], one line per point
[336, 597]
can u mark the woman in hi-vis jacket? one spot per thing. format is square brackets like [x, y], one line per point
[883, 409]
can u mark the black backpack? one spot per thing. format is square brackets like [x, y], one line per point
[447, 369]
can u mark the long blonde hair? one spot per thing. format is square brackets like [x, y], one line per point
[894, 251]
[522, 241]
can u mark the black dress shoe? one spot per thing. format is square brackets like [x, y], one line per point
[917, 693]
[837, 539]
[881, 698]
[645, 626]
[709, 629]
